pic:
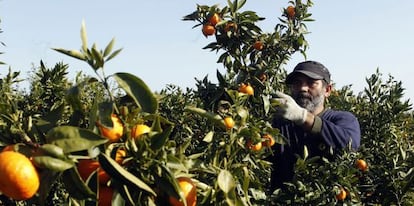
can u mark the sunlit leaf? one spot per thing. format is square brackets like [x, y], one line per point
[225, 181]
[138, 91]
[73, 139]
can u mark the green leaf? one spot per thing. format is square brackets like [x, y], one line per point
[73, 139]
[119, 173]
[52, 163]
[75, 185]
[72, 53]
[109, 47]
[225, 181]
[47, 178]
[114, 54]
[84, 37]
[215, 118]
[98, 58]
[138, 90]
[159, 139]
[51, 150]
[209, 137]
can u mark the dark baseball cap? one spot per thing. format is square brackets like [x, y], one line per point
[312, 69]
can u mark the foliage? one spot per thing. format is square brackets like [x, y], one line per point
[57, 122]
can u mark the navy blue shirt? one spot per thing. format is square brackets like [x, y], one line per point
[332, 131]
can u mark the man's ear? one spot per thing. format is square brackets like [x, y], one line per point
[328, 90]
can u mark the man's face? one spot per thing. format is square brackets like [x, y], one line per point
[309, 93]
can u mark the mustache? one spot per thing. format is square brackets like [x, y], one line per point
[303, 95]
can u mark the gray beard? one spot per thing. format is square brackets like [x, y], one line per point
[310, 103]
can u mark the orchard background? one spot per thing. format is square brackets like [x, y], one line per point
[138, 145]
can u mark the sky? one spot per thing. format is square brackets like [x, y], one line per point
[351, 38]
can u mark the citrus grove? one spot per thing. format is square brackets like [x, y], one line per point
[110, 140]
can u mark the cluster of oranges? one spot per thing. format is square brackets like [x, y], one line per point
[86, 167]
[19, 178]
[267, 141]
[115, 133]
[361, 165]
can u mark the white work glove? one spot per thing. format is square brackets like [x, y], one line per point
[289, 109]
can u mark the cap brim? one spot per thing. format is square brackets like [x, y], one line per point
[309, 74]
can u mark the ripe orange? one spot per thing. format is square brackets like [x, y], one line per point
[268, 140]
[229, 122]
[341, 195]
[115, 133]
[19, 179]
[208, 29]
[189, 191]
[87, 166]
[258, 45]
[290, 11]
[254, 147]
[139, 130]
[361, 165]
[246, 89]
[231, 26]
[105, 196]
[214, 19]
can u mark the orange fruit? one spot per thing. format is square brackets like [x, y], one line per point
[229, 122]
[115, 133]
[214, 19]
[268, 140]
[230, 26]
[208, 30]
[290, 11]
[105, 196]
[361, 165]
[246, 89]
[87, 166]
[258, 45]
[8, 148]
[139, 130]
[263, 77]
[189, 191]
[341, 195]
[19, 179]
[120, 155]
[254, 147]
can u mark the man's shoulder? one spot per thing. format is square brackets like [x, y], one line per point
[332, 113]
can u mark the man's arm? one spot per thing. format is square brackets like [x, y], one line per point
[337, 128]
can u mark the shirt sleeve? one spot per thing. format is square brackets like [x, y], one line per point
[337, 129]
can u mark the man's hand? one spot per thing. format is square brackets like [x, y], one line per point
[289, 109]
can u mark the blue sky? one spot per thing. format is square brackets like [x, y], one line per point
[352, 38]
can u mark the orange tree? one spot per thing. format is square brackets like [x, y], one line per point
[59, 124]
[235, 113]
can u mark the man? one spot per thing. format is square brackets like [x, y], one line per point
[304, 121]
